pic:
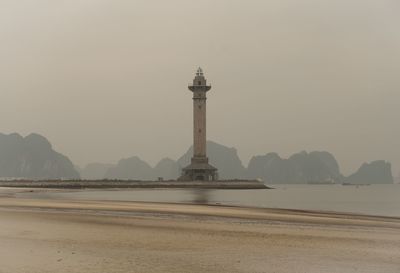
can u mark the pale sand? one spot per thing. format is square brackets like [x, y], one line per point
[89, 236]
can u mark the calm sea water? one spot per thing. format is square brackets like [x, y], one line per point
[373, 199]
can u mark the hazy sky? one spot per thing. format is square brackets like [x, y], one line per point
[103, 80]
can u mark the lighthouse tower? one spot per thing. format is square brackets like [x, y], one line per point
[199, 169]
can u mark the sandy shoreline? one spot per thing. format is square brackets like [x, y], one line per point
[38, 235]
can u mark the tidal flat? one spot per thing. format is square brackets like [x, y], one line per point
[53, 235]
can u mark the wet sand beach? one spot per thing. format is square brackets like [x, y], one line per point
[43, 235]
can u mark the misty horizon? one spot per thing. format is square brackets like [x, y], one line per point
[213, 155]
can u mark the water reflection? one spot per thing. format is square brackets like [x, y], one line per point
[374, 199]
[200, 196]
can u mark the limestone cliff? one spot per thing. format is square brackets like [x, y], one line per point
[167, 169]
[300, 168]
[32, 157]
[376, 172]
[131, 168]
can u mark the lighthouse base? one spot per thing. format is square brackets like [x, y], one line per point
[199, 170]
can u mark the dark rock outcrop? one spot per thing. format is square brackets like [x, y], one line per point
[32, 157]
[376, 172]
[225, 159]
[131, 168]
[95, 171]
[301, 168]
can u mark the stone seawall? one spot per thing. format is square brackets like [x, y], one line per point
[104, 184]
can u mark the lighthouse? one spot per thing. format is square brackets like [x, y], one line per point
[199, 168]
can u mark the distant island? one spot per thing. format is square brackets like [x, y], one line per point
[33, 157]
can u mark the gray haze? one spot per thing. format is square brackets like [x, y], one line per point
[103, 80]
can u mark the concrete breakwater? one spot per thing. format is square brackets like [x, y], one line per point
[103, 184]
